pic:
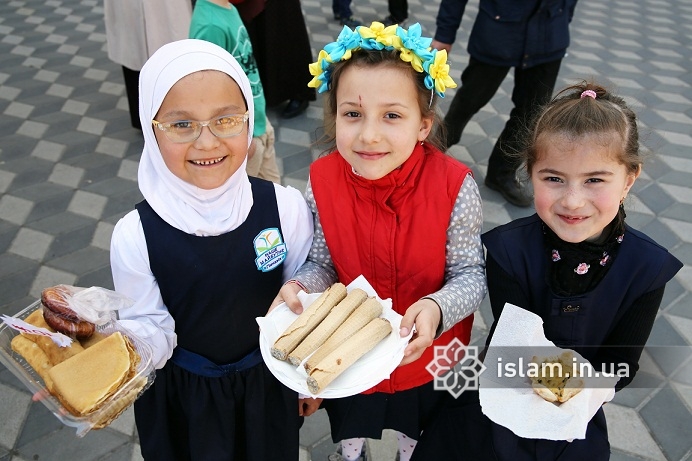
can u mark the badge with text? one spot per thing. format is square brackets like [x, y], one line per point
[270, 249]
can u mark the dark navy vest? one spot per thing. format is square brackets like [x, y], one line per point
[640, 266]
[212, 286]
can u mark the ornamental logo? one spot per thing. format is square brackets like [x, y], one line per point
[270, 249]
[455, 367]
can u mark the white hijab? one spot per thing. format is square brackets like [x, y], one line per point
[182, 205]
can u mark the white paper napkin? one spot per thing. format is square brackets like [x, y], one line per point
[511, 402]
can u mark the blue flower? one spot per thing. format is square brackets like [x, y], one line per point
[344, 44]
[412, 40]
[414, 48]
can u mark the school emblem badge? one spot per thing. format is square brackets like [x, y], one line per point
[270, 249]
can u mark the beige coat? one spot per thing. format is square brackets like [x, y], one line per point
[137, 28]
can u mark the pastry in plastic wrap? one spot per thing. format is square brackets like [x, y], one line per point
[60, 316]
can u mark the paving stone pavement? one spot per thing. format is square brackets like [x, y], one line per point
[68, 163]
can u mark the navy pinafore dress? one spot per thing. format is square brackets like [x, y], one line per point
[215, 398]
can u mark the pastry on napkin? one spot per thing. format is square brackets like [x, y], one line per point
[508, 398]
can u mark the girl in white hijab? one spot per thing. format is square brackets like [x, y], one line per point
[202, 255]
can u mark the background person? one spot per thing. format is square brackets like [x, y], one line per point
[134, 30]
[532, 37]
[398, 13]
[281, 68]
[343, 13]
[218, 22]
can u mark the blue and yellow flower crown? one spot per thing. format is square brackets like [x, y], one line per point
[411, 45]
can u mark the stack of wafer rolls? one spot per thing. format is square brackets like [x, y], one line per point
[367, 311]
[332, 334]
[307, 321]
[331, 322]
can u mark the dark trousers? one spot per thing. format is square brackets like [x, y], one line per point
[282, 70]
[398, 9]
[131, 78]
[533, 87]
[342, 8]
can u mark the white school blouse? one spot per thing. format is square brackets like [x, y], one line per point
[132, 276]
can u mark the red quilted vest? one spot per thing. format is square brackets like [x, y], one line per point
[393, 231]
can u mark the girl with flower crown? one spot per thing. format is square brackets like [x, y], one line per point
[389, 205]
[595, 282]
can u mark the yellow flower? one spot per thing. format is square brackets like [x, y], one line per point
[379, 33]
[316, 67]
[317, 70]
[439, 70]
[407, 55]
[314, 83]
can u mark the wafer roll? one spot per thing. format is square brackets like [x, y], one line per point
[307, 321]
[347, 353]
[363, 314]
[331, 322]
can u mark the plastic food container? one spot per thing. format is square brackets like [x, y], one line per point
[112, 407]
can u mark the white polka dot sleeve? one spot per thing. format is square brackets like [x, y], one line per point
[317, 273]
[465, 283]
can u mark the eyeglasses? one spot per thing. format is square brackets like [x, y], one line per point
[225, 126]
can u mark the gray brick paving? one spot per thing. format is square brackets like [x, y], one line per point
[68, 162]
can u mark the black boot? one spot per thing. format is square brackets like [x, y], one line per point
[512, 190]
[505, 160]
[294, 108]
